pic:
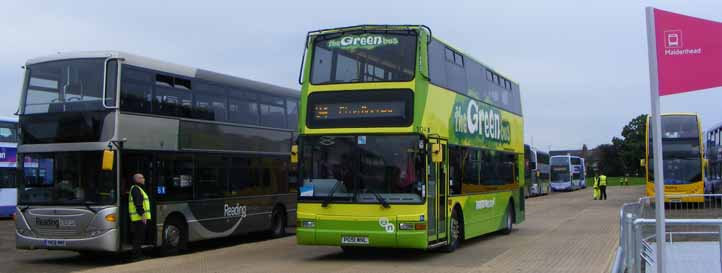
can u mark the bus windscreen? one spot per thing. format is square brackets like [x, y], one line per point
[680, 149]
[364, 56]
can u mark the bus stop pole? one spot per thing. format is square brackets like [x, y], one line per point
[657, 141]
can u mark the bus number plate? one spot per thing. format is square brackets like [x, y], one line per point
[355, 240]
[54, 243]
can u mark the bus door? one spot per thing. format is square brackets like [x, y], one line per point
[132, 164]
[438, 188]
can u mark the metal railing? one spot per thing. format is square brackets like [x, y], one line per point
[685, 222]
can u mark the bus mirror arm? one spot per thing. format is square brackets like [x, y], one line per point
[294, 154]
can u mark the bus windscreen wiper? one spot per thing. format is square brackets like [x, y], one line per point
[88, 204]
[380, 198]
[330, 194]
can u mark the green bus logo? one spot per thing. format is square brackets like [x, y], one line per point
[364, 41]
[479, 120]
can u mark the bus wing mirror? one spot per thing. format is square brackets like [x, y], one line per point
[108, 160]
[642, 163]
[294, 154]
[436, 155]
[705, 163]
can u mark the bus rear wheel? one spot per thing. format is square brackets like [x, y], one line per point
[278, 223]
[508, 219]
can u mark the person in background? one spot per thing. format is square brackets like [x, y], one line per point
[139, 210]
[596, 193]
[603, 186]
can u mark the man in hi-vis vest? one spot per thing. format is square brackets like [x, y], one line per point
[603, 187]
[139, 210]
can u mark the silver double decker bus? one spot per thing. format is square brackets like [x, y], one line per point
[537, 172]
[215, 150]
[567, 173]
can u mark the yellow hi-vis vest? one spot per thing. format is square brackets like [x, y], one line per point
[602, 180]
[131, 207]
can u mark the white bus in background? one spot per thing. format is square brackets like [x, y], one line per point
[8, 151]
[579, 172]
[562, 174]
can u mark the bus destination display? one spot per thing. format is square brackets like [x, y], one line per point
[359, 110]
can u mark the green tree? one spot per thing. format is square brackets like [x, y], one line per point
[631, 147]
[609, 163]
[587, 160]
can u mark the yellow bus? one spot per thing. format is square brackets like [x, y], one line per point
[404, 142]
[682, 157]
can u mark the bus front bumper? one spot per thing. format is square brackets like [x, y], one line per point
[685, 193]
[107, 242]
[358, 232]
[561, 186]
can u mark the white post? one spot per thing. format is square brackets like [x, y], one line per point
[720, 247]
[657, 140]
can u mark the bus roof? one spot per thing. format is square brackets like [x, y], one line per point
[150, 63]
[718, 125]
[364, 27]
[406, 26]
[677, 114]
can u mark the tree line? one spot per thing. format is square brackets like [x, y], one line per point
[622, 156]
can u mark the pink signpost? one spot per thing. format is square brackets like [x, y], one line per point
[685, 54]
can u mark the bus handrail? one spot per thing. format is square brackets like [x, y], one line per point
[634, 240]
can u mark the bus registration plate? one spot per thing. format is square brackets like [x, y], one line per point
[355, 240]
[54, 243]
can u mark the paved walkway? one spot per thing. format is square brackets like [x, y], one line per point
[564, 232]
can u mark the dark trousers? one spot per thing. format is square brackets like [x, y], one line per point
[138, 237]
[603, 190]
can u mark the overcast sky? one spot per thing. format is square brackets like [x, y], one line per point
[582, 68]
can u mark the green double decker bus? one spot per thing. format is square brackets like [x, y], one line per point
[404, 142]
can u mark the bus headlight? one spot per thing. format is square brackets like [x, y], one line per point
[406, 226]
[412, 226]
[308, 224]
[111, 218]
